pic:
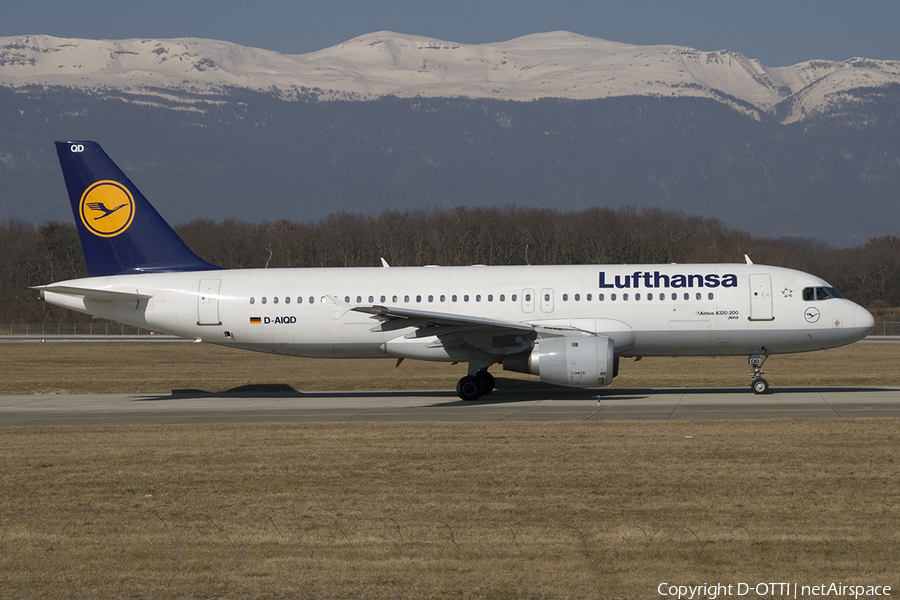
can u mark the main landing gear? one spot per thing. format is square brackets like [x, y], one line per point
[759, 385]
[473, 387]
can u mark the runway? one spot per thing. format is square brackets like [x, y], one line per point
[502, 405]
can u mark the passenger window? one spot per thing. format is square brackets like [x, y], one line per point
[477, 297]
[513, 297]
[299, 299]
[565, 298]
[443, 298]
[699, 296]
[347, 299]
[312, 299]
[393, 298]
[674, 296]
[275, 300]
[430, 298]
[612, 297]
[527, 297]
[588, 297]
[466, 298]
[490, 297]
[625, 297]
[406, 298]
[371, 299]
[453, 298]
[419, 298]
[382, 299]
[687, 296]
[502, 298]
[637, 296]
[264, 300]
[287, 300]
[711, 296]
[359, 299]
[252, 300]
[601, 297]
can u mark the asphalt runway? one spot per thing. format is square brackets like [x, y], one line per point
[502, 405]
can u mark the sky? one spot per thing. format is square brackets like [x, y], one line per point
[777, 32]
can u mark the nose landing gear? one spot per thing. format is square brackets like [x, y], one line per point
[759, 385]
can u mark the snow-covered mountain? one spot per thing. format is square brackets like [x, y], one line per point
[556, 64]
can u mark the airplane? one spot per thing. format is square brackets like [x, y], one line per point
[567, 324]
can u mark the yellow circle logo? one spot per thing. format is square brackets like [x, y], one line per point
[107, 208]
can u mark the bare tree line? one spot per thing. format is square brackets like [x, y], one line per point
[869, 274]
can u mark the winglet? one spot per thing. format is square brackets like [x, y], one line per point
[747, 258]
[120, 231]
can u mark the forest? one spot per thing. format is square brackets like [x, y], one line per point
[868, 274]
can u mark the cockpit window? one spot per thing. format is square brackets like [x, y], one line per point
[820, 293]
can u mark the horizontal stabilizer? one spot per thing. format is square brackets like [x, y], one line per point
[92, 294]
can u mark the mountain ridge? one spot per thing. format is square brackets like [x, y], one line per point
[542, 65]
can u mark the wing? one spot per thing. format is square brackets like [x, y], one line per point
[489, 336]
[99, 206]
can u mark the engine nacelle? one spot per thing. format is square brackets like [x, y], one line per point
[576, 361]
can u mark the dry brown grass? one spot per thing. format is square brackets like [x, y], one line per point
[433, 510]
[503, 510]
[163, 367]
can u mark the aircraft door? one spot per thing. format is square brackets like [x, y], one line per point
[761, 297]
[208, 302]
[547, 300]
[528, 301]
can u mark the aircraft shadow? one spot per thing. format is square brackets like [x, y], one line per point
[502, 395]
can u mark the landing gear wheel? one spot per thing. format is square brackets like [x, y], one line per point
[760, 386]
[486, 380]
[469, 388]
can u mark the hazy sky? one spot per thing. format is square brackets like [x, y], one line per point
[778, 32]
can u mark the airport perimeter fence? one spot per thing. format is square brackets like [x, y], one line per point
[105, 328]
[147, 553]
[886, 328]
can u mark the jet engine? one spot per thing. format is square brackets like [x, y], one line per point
[576, 361]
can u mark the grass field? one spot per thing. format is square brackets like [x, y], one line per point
[437, 510]
[162, 367]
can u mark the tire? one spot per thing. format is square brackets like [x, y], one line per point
[487, 381]
[760, 386]
[469, 388]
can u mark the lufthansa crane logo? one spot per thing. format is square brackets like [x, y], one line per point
[107, 208]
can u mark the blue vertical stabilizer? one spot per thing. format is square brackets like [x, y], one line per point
[120, 231]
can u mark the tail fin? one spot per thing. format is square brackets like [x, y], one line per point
[120, 231]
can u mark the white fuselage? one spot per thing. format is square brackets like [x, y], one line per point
[648, 310]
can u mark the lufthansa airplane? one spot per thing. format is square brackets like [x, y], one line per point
[569, 325]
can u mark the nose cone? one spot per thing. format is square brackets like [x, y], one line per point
[863, 322]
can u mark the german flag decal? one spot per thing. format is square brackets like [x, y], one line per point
[255, 320]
